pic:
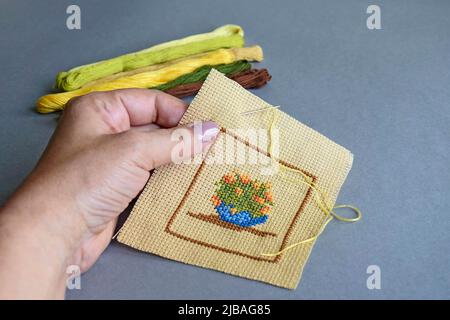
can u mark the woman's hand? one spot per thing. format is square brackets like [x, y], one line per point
[97, 161]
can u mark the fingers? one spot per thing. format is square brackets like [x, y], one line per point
[117, 111]
[152, 149]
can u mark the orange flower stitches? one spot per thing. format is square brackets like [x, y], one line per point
[265, 210]
[215, 200]
[244, 178]
[259, 199]
[268, 196]
[238, 191]
[229, 178]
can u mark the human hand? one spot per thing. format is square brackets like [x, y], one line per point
[97, 161]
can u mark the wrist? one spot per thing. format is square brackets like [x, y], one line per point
[38, 213]
[37, 244]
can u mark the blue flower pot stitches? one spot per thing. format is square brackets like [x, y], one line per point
[242, 218]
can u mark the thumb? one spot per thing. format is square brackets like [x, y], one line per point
[174, 145]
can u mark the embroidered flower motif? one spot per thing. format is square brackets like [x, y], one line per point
[268, 195]
[259, 199]
[241, 200]
[216, 201]
[265, 210]
[229, 179]
[245, 179]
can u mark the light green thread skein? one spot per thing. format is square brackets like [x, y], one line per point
[227, 36]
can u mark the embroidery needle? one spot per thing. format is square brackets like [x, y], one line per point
[259, 110]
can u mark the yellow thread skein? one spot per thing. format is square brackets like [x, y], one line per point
[140, 70]
[153, 78]
[321, 197]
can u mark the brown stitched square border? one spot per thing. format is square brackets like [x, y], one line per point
[212, 246]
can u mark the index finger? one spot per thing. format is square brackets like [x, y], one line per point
[116, 111]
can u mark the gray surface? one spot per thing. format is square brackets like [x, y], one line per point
[382, 94]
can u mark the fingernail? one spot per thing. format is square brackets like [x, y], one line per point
[209, 131]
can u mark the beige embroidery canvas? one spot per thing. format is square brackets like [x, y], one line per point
[179, 216]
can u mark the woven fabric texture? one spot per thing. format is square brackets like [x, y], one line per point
[179, 216]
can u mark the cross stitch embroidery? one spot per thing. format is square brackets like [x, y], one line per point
[242, 201]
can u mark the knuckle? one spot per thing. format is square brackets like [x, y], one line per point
[79, 105]
[101, 105]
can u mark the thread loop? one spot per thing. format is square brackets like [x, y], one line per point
[321, 198]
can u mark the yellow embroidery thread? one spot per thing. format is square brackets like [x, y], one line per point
[228, 36]
[321, 197]
[153, 78]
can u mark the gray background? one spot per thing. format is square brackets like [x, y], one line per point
[382, 94]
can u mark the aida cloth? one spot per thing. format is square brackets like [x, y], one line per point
[225, 215]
